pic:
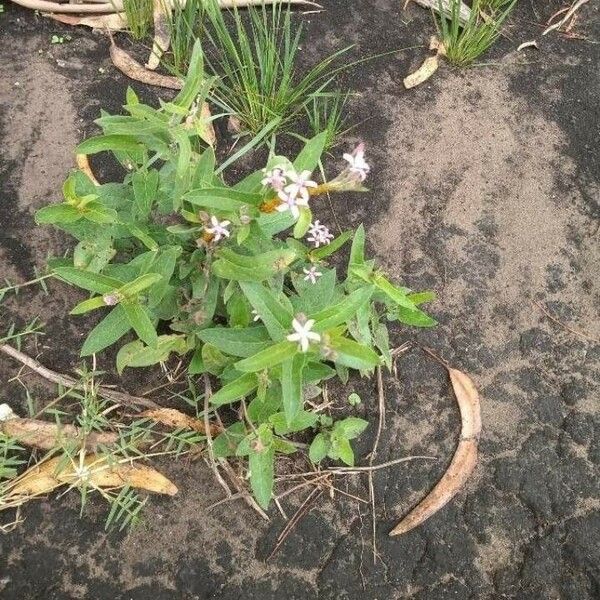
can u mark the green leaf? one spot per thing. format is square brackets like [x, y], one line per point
[303, 222]
[341, 448]
[237, 342]
[314, 297]
[204, 169]
[309, 157]
[112, 328]
[111, 142]
[414, 317]
[262, 470]
[56, 214]
[194, 79]
[98, 213]
[342, 311]
[303, 420]
[87, 305]
[291, 386]
[276, 318]
[334, 246]
[357, 251]
[319, 448]
[93, 282]
[140, 321]
[141, 235]
[214, 360]
[239, 267]
[136, 354]
[400, 297]
[225, 443]
[221, 198]
[352, 354]
[145, 189]
[237, 389]
[350, 427]
[133, 288]
[270, 357]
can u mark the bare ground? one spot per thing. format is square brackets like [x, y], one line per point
[486, 188]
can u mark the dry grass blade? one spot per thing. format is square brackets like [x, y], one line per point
[46, 436]
[115, 396]
[463, 461]
[172, 417]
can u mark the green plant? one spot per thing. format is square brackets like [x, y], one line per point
[326, 113]
[464, 43]
[60, 39]
[139, 17]
[257, 66]
[184, 27]
[194, 266]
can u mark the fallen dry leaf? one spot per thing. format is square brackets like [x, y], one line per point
[531, 44]
[465, 11]
[110, 22]
[463, 461]
[423, 73]
[162, 33]
[45, 477]
[171, 417]
[79, 8]
[134, 70]
[45, 435]
[83, 164]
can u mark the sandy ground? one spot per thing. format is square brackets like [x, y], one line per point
[485, 188]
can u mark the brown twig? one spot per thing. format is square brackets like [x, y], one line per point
[570, 12]
[561, 324]
[65, 380]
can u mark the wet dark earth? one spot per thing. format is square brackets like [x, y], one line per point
[486, 188]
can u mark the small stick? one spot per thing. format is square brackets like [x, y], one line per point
[67, 381]
[570, 329]
[385, 465]
[574, 8]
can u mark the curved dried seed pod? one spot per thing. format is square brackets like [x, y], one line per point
[463, 461]
[83, 164]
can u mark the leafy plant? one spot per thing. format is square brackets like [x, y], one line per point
[326, 113]
[139, 17]
[191, 265]
[464, 43]
[257, 66]
[184, 26]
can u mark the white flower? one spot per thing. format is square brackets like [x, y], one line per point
[218, 229]
[255, 315]
[302, 332]
[299, 186]
[319, 234]
[358, 165]
[276, 178]
[111, 299]
[312, 274]
[291, 203]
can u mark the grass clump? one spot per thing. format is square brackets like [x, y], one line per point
[256, 61]
[139, 17]
[464, 43]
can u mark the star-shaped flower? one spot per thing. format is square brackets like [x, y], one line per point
[218, 229]
[319, 234]
[291, 203]
[302, 332]
[275, 178]
[299, 186]
[356, 160]
[312, 275]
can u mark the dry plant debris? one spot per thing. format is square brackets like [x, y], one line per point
[171, 417]
[569, 13]
[465, 11]
[429, 66]
[463, 461]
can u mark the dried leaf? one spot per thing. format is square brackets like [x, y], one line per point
[110, 22]
[171, 417]
[57, 7]
[162, 33]
[134, 70]
[531, 44]
[465, 11]
[46, 476]
[463, 461]
[45, 435]
[423, 73]
[83, 164]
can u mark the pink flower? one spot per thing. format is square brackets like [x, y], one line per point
[275, 178]
[299, 186]
[356, 160]
[312, 275]
[218, 229]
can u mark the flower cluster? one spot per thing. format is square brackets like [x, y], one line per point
[291, 187]
[319, 234]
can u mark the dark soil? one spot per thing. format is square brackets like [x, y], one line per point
[485, 188]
